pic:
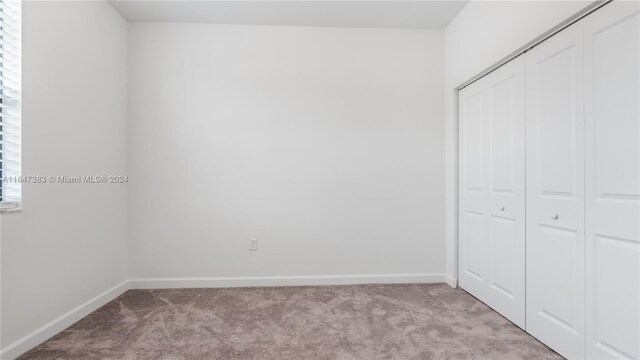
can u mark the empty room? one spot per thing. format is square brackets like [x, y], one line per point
[293, 180]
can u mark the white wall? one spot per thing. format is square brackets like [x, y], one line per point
[69, 243]
[325, 144]
[483, 33]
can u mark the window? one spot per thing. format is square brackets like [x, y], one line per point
[10, 62]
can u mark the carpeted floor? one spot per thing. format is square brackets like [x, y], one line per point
[331, 322]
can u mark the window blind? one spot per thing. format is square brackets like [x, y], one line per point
[10, 63]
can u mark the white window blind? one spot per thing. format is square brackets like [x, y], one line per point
[10, 62]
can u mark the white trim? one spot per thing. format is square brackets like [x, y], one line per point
[60, 323]
[453, 282]
[455, 261]
[10, 206]
[219, 282]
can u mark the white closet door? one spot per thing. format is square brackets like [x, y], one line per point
[492, 231]
[555, 193]
[506, 182]
[612, 83]
[473, 195]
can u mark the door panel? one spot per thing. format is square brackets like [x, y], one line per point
[503, 280]
[612, 83]
[506, 285]
[474, 129]
[555, 193]
[473, 190]
[474, 230]
[503, 109]
[492, 190]
[555, 139]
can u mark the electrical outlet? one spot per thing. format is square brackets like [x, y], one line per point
[253, 244]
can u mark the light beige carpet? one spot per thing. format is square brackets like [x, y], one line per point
[331, 322]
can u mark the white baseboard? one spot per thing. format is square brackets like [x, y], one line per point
[60, 323]
[220, 282]
[453, 282]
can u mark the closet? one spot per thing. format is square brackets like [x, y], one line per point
[549, 187]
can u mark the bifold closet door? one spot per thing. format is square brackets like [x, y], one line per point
[555, 193]
[492, 231]
[612, 116]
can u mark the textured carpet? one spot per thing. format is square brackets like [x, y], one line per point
[329, 322]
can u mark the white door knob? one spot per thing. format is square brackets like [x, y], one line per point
[502, 208]
[555, 216]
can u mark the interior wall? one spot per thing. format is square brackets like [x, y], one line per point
[324, 144]
[68, 244]
[483, 33]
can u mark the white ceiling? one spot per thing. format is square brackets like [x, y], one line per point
[371, 14]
